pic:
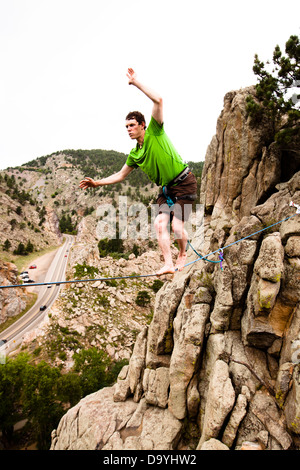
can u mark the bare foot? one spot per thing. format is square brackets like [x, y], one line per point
[166, 269]
[181, 261]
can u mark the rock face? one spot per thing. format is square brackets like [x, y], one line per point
[12, 301]
[21, 222]
[218, 368]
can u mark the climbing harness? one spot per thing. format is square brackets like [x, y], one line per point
[171, 199]
[200, 257]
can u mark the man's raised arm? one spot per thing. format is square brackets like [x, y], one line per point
[157, 110]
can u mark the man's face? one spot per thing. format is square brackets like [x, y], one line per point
[135, 130]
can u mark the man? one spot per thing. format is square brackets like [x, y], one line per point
[156, 156]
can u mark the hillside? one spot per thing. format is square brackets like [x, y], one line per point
[45, 192]
[41, 200]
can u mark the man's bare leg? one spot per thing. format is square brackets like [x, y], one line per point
[163, 237]
[181, 238]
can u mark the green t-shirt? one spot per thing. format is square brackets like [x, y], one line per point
[157, 157]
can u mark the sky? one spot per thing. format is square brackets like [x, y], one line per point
[63, 81]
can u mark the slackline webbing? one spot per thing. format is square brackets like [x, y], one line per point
[200, 257]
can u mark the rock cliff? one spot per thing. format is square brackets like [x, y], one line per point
[218, 366]
[12, 301]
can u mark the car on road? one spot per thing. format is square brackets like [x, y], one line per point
[32, 266]
[28, 281]
[23, 273]
[43, 307]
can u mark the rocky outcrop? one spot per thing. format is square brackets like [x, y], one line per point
[242, 164]
[20, 222]
[51, 226]
[218, 367]
[12, 301]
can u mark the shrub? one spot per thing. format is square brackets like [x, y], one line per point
[142, 298]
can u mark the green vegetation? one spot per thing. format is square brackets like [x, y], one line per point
[114, 247]
[11, 187]
[22, 261]
[196, 168]
[66, 225]
[157, 284]
[22, 249]
[14, 192]
[82, 270]
[273, 97]
[143, 298]
[6, 245]
[41, 394]
[111, 247]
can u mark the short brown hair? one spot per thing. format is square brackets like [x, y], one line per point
[139, 117]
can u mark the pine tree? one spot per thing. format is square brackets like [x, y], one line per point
[275, 95]
[6, 245]
[29, 247]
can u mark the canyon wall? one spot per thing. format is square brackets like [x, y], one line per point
[218, 367]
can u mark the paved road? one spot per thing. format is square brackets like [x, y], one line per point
[46, 296]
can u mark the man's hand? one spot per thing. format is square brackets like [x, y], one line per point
[131, 76]
[88, 183]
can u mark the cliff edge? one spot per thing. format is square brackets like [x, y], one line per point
[218, 367]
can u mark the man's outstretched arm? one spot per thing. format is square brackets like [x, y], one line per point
[115, 178]
[157, 110]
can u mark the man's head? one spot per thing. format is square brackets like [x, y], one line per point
[139, 117]
[136, 125]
